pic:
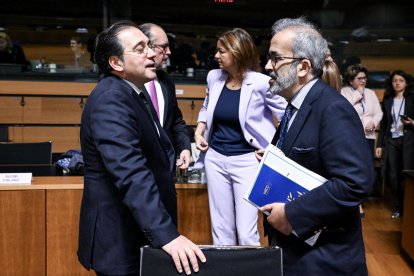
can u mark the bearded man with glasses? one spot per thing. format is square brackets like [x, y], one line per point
[129, 198]
[324, 135]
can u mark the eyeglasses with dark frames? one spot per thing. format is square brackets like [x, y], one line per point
[274, 58]
[362, 78]
[141, 49]
[162, 47]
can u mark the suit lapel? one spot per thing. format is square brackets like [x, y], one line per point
[301, 116]
[245, 94]
[296, 126]
[162, 137]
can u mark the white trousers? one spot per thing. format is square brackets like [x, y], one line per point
[233, 219]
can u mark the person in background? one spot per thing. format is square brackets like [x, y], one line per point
[322, 133]
[129, 198]
[396, 137]
[331, 74]
[365, 102]
[10, 52]
[164, 99]
[78, 52]
[236, 119]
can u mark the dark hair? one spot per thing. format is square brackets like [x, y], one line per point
[353, 70]
[241, 46]
[107, 44]
[389, 90]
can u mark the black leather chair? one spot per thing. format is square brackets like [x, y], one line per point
[227, 260]
[27, 157]
[4, 133]
[39, 153]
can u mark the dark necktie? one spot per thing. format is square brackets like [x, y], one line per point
[284, 125]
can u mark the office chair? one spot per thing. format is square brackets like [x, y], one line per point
[38, 153]
[221, 260]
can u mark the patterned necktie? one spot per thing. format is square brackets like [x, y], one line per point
[284, 125]
[154, 98]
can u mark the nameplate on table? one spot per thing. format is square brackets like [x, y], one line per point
[179, 91]
[15, 178]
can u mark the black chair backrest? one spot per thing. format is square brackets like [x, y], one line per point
[4, 133]
[39, 153]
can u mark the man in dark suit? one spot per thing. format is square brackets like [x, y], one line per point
[324, 135]
[129, 198]
[170, 115]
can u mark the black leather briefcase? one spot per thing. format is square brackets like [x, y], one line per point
[221, 261]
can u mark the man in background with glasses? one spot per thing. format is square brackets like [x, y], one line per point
[170, 116]
[323, 134]
[129, 198]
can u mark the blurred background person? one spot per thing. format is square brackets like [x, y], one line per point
[235, 120]
[163, 96]
[10, 52]
[331, 75]
[364, 100]
[78, 52]
[396, 137]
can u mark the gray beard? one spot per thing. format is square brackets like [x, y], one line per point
[283, 82]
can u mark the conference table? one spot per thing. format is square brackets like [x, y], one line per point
[39, 224]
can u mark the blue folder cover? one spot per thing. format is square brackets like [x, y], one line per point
[280, 179]
[271, 186]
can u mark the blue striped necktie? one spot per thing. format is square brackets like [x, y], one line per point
[284, 125]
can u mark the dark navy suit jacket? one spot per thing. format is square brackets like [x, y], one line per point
[326, 137]
[173, 122]
[129, 198]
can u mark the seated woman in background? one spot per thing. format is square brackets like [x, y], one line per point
[396, 137]
[9, 52]
[78, 52]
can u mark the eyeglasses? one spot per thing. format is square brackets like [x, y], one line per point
[362, 78]
[162, 47]
[141, 49]
[275, 58]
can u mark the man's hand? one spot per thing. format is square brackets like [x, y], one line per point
[181, 250]
[277, 217]
[184, 161]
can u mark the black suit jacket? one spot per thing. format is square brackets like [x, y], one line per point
[326, 137]
[173, 122]
[408, 140]
[129, 197]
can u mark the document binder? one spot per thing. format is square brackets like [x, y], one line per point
[280, 179]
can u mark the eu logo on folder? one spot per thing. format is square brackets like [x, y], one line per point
[280, 179]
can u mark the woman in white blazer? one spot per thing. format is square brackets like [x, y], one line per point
[237, 119]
